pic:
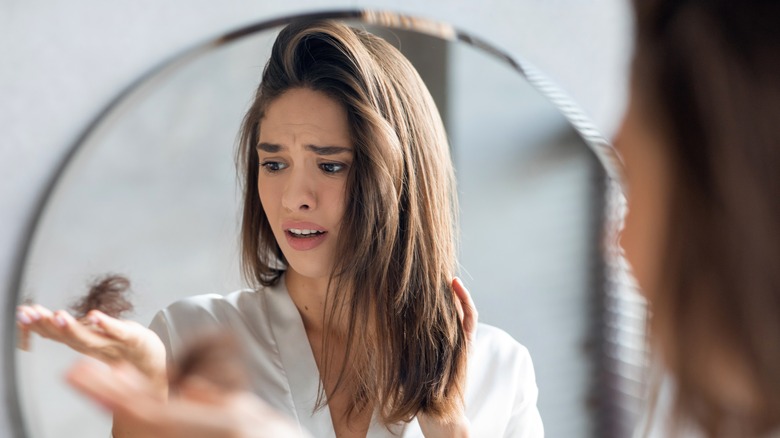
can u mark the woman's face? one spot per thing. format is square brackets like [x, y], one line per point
[648, 180]
[305, 150]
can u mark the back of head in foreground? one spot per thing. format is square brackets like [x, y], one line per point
[706, 76]
[389, 294]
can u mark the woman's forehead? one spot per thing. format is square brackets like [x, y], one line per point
[303, 116]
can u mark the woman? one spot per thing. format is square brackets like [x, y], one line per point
[348, 235]
[701, 144]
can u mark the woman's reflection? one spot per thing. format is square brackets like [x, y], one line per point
[355, 326]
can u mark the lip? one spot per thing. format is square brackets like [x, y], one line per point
[302, 225]
[304, 243]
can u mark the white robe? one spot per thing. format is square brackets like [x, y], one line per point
[501, 388]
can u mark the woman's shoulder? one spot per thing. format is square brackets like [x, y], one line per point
[218, 305]
[501, 391]
[497, 344]
[243, 312]
[498, 360]
[199, 312]
[209, 302]
[202, 308]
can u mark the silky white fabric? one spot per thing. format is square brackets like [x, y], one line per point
[500, 395]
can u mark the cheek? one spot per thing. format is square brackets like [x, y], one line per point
[267, 194]
[644, 232]
[334, 199]
[631, 238]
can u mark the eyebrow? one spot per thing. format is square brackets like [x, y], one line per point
[319, 150]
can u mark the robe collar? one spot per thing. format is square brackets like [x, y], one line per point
[302, 372]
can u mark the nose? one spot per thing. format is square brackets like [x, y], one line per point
[299, 192]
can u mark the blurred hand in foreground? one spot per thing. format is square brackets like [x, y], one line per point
[199, 410]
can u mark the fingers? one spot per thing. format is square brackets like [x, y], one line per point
[89, 379]
[86, 339]
[120, 388]
[24, 318]
[467, 304]
[435, 428]
[112, 327]
[23, 337]
[38, 319]
[467, 310]
[61, 327]
[123, 390]
[458, 302]
[25, 315]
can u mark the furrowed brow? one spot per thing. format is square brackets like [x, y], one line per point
[269, 147]
[328, 150]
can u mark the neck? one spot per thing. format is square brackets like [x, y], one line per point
[308, 294]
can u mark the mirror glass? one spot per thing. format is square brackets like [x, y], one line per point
[151, 193]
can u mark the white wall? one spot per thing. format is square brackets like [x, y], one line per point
[63, 61]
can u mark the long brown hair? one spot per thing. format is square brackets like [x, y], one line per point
[709, 74]
[391, 281]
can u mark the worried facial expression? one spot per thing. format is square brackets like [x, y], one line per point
[305, 151]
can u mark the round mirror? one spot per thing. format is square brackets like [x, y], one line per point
[150, 192]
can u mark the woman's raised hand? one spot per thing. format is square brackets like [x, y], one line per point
[467, 312]
[100, 336]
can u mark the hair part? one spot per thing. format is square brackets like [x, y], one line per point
[391, 283]
[709, 75]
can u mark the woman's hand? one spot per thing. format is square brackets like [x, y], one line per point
[100, 336]
[467, 312]
[200, 410]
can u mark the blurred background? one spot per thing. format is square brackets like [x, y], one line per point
[532, 194]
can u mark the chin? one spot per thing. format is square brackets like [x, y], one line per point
[308, 268]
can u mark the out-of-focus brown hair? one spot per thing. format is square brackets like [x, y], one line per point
[394, 264]
[708, 74]
[218, 358]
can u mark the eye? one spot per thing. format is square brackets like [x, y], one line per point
[272, 166]
[332, 167]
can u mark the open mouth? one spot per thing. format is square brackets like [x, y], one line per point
[303, 234]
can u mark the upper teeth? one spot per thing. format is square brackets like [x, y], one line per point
[302, 232]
